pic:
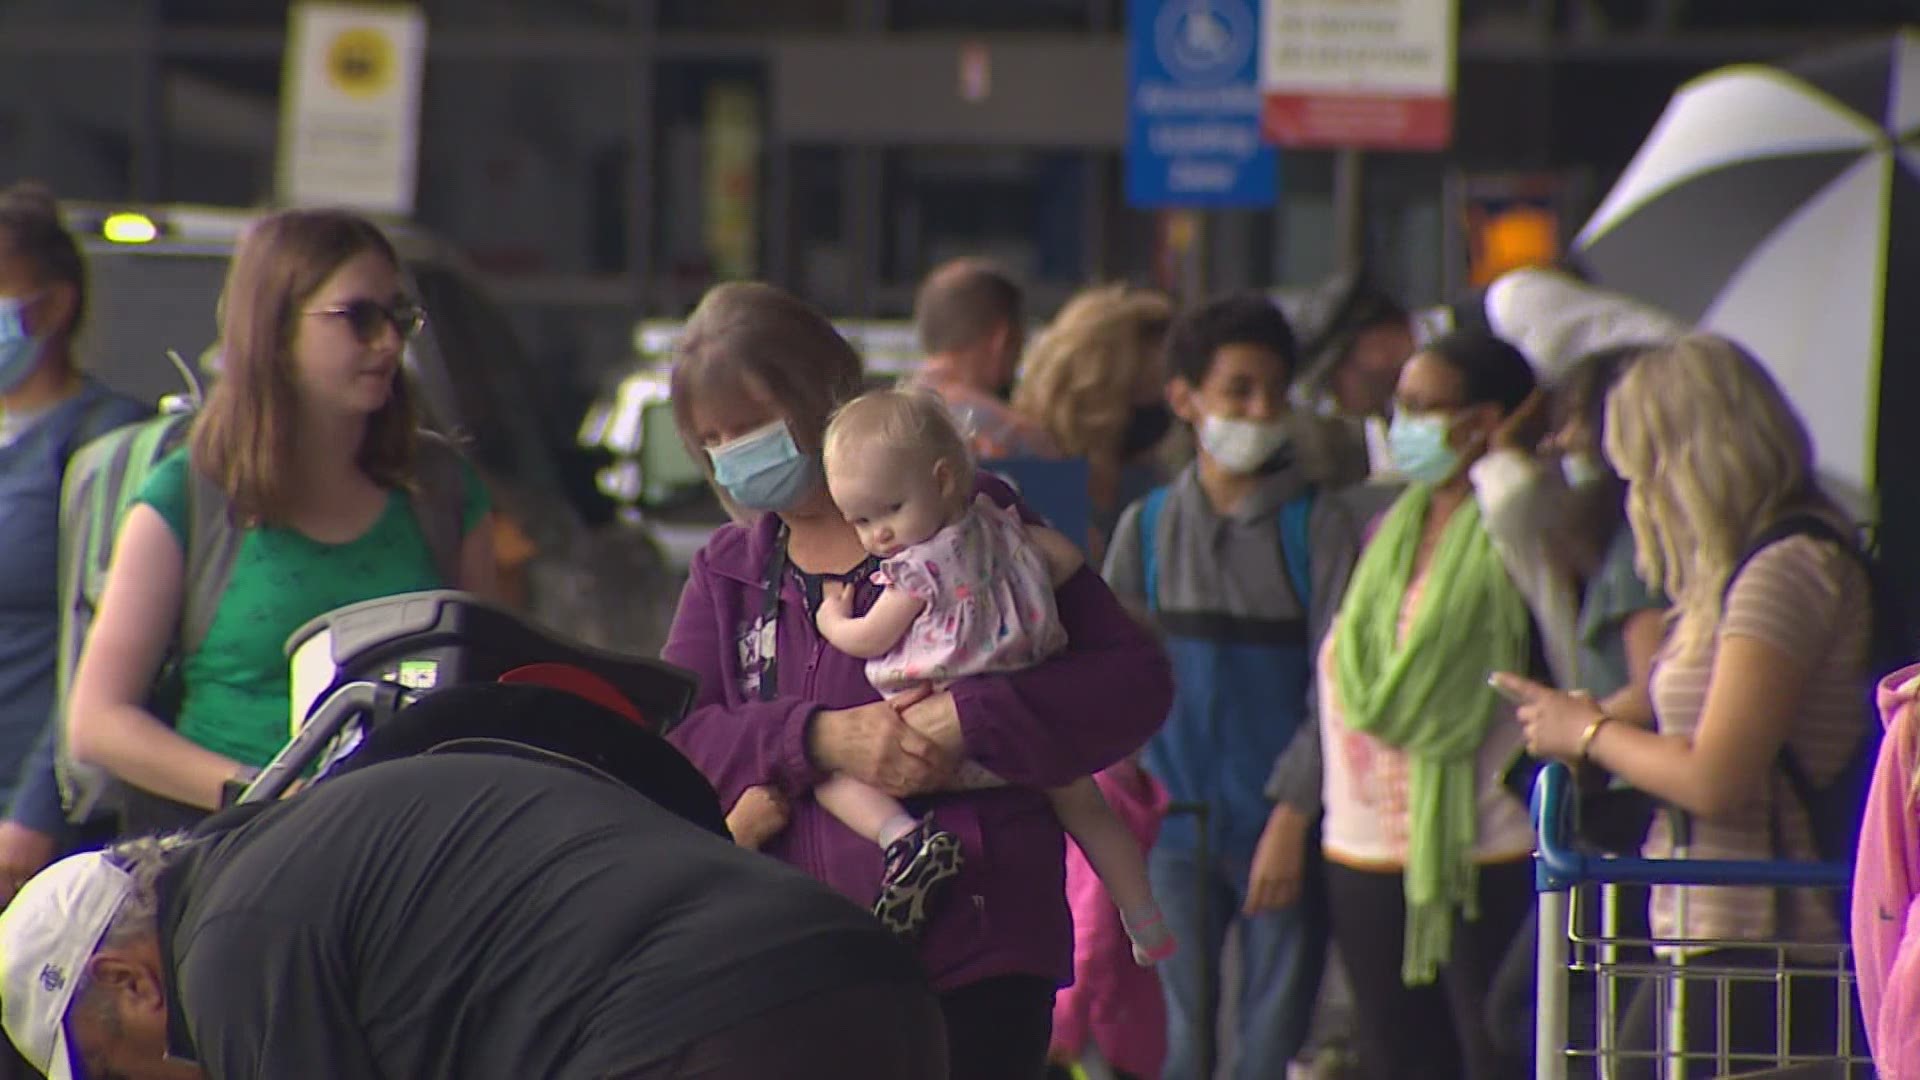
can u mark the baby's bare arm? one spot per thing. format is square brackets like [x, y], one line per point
[873, 634]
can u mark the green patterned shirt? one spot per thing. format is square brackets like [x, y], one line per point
[237, 688]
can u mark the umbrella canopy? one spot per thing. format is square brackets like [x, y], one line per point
[1780, 206]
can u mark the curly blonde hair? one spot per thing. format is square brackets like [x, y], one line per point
[1078, 376]
[1713, 454]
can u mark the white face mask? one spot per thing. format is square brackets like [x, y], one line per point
[1242, 446]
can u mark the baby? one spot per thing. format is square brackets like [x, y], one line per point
[967, 589]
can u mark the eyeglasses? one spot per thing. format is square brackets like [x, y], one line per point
[368, 317]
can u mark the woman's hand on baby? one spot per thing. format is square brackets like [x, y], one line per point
[874, 744]
[758, 816]
[934, 715]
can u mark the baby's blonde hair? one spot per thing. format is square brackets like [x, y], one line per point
[912, 426]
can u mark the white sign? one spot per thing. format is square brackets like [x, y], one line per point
[1362, 73]
[350, 106]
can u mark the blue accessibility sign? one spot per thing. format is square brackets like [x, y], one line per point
[1193, 106]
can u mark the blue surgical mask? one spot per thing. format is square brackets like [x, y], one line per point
[1582, 471]
[764, 469]
[1419, 447]
[19, 351]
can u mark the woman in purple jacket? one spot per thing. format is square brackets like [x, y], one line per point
[756, 375]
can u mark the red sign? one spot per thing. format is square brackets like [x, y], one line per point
[1336, 74]
[1325, 121]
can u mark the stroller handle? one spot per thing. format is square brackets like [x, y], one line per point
[349, 701]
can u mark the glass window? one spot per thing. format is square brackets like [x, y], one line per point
[478, 14]
[465, 14]
[1735, 14]
[708, 187]
[528, 165]
[70, 121]
[220, 120]
[224, 14]
[142, 302]
[65, 12]
[822, 262]
[759, 16]
[1022, 208]
[1305, 239]
[990, 15]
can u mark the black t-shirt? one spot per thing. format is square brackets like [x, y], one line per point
[477, 915]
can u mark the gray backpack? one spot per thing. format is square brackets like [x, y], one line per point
[101, 481]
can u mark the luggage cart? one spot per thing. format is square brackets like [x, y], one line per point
[1578, 939]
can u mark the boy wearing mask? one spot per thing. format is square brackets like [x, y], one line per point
[1241, 562]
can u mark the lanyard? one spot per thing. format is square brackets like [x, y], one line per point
[775, 579]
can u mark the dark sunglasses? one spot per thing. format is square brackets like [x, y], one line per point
[368, 317]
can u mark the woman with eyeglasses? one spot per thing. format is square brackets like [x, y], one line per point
[1427, 848]
[309, 440]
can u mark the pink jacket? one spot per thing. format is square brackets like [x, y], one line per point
[1886, 893]
[1113, 1001]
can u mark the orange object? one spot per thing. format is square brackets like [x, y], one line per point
[1512, 239]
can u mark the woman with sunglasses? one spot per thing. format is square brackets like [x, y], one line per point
[310, 437]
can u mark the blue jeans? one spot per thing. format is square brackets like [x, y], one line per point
[1282, 956]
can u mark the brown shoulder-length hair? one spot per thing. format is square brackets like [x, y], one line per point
[244, 439]
[746, 333]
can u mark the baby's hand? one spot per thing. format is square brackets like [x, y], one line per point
[759, 816]
[836, 600]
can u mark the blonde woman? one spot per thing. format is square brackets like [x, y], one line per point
[1768, 653]
[1096, 381]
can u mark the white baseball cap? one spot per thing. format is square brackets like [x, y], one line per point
[47, 936]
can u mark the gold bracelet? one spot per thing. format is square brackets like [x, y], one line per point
[1586, 737]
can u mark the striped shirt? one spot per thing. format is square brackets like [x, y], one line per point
[1807, 598]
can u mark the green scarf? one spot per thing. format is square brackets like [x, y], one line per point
[1428, 695]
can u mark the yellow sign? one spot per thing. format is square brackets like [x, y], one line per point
[361, 61]
[350, 105]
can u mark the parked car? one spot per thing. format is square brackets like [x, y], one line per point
[155, 274]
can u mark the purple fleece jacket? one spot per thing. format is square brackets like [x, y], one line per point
[1006, 911]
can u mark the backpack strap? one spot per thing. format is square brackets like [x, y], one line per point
[1785, 529]
[212, 546]
[439, 502]
[1150, 508]
[1295, 549]
[1799, 782]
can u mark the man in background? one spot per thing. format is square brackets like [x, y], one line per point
[971, 319]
